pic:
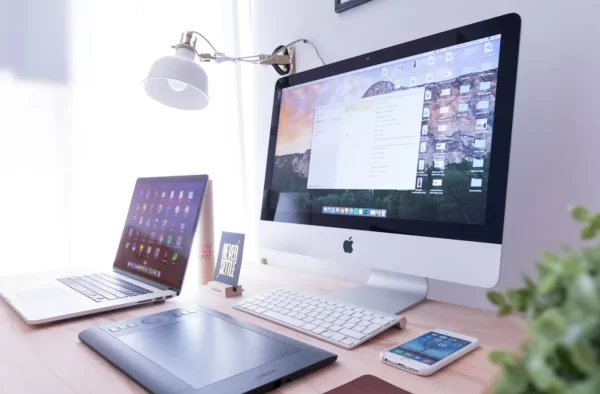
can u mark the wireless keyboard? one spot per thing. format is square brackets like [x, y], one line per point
[336, 322]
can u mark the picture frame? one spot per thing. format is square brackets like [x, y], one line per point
[345, 5]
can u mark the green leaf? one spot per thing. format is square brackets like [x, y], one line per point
[503, 359]
[550, 325]
[595, 222]
[519, 299]
[505, 310]
[549, 283]
[542, 375]
[586, 293]
[588, 232]
[584, 357]
[496, 298]
[549, 257]
[530, 284]
[580, 214]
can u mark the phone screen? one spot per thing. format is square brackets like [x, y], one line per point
[430, 347]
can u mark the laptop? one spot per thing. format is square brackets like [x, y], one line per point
[149, 266]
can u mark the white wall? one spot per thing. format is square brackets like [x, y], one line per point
[34, 102]
[556, 130]
[77, 129]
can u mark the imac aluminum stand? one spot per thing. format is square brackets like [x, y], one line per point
[386, 291]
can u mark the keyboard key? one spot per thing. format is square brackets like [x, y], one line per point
[348, 341]
[329, 319]
[292, 314]
[319, 330]
[354, 320]
[325, 325]
[286, 319]
[114, 329]
[321, 317]
[327, 334]
[300, 316]
[261, 310]
[388, 319]
[359, 328]
[339, 322]
[335, 328]
[131, 325]
[317, 322]
[352, 333]
[338, 337]
[349, 325]
[371, 329]
[308, 319]
[381, 322]
[312, 314]
[252, 307]
[308, 327]
[123, 327]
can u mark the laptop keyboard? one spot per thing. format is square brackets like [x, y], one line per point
[103, 287]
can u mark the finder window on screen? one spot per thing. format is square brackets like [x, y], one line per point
[378, 137]
[408, 139]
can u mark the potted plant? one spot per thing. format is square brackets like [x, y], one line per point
[562, 311]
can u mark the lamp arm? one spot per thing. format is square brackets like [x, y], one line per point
[188, 41]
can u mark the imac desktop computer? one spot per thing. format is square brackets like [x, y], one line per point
[397, 160]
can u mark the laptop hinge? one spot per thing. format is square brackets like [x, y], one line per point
[144, 280]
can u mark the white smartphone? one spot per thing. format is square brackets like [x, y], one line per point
[430, 352]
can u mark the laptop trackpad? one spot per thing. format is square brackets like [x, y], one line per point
[206, 349]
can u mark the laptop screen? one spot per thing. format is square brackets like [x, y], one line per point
[160, 228]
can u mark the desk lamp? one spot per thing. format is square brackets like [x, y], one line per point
[180, 82]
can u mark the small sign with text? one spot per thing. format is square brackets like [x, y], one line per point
[229, 260]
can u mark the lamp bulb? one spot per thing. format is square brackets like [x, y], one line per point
[176, 85]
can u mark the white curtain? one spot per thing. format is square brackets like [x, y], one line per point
[104, 132]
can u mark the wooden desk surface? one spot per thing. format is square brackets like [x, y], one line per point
[51, 359]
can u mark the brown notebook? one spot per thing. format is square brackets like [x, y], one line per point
[368, 384]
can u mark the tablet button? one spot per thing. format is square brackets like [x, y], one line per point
[153, 320]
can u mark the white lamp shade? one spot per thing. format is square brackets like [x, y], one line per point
[178, 82]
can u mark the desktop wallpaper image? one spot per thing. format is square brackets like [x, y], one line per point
[456, 204]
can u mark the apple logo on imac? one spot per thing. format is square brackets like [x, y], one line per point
[347, 245]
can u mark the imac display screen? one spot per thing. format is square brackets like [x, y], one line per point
[408, 139]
